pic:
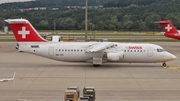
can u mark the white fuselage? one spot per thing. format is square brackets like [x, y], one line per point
[76, 52]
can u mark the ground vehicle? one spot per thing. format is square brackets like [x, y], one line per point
[89, 92]
[74, 88]
[70, 95]
[84, 99]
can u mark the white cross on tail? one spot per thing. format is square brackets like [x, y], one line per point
[168, 28]
[23, 32]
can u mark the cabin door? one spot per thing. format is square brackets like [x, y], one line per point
[51, 51]
[150, 52]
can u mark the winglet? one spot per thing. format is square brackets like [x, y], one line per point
[14, 75]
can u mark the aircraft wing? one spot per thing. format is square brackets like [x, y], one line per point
[8, 79]
[99, 47]
[4, 80]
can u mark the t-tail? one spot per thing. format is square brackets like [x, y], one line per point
[24, 31]
[169, 29]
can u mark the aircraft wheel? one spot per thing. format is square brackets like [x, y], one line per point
[164, 64]
[96, 65]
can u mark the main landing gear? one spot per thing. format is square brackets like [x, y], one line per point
[96, 65]
[164, 64]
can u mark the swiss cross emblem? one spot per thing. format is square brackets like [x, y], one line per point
[168, 28]
[23, 32]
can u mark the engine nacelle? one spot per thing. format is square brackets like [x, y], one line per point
[115, 56]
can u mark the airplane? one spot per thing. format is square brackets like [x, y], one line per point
[169, 30]
[96, 53]
[8, 79]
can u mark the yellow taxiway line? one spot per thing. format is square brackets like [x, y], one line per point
[177, 68]
[172, 67]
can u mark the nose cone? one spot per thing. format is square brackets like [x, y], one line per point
[174, 57]
[168, 56]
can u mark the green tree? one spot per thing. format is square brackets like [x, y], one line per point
[67, 23]
[99, 25]
[1, 23]
[151, 19]
[44, 24]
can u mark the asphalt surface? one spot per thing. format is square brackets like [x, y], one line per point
[41, 79]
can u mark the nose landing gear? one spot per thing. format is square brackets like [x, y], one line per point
[164, 64]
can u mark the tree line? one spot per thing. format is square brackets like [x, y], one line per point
[132, 17]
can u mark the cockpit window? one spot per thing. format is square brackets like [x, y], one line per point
[161, 50]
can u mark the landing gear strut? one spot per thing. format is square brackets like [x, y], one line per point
[164, 64]
[96, 65]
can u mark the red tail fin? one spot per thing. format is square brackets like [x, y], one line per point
[169, 29]
[167, 26]
[24, 31]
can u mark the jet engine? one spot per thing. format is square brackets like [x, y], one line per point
[115, 56]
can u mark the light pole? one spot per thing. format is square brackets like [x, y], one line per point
[86, 21]
[54, 25]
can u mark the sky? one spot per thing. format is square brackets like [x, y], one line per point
[5, 1]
